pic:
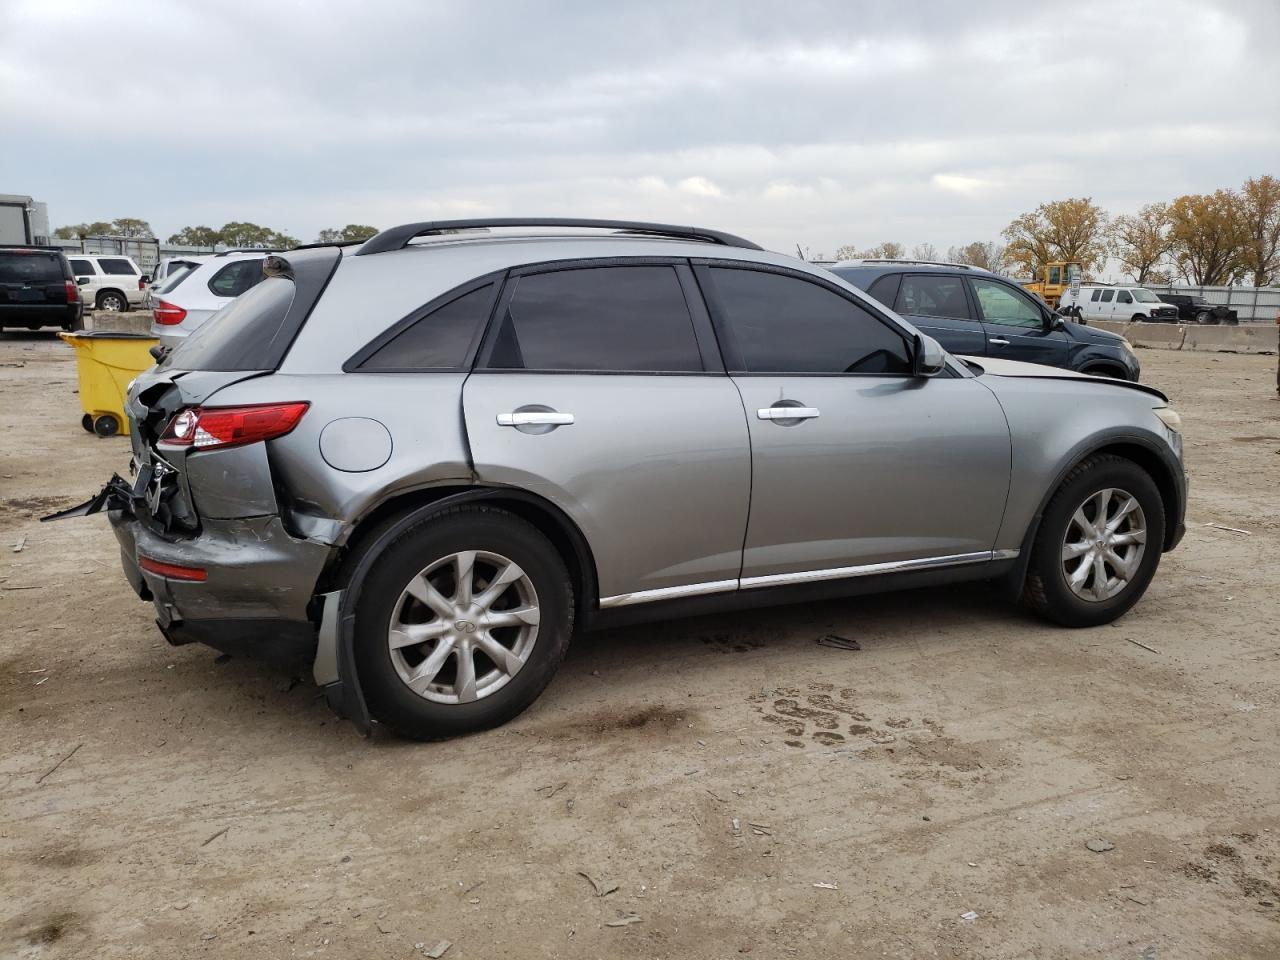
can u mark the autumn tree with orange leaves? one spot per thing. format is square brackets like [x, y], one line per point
[1072, 230]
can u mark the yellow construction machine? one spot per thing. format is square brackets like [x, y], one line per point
[1054, 280]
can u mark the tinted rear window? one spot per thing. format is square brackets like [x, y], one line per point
[440, 340]
[118, 268]
[83, 268]
[236, 336]
[235, 278]
[30, 268]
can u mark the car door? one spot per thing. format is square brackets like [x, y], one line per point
[87, 278]
[1124, 307]
[1107, 304]
[599, 388]
[1016, 326]
[936, 303]
[857, 465]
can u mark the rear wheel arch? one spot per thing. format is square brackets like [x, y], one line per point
[1105, 370]
[547, 518]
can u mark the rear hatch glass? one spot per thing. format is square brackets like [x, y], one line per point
[241, 335]
[31, 277]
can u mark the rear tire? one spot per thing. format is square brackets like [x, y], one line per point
[112, 301]
[1107, 482]
[1204, 318]
[424, 690]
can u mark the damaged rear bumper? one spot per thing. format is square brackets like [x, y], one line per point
[256, 593]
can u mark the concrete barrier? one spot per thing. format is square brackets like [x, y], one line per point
[135, 321]
[1245, 338]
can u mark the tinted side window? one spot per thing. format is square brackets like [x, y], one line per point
[1096, 294]
[117, 268]
[82, 268]
[1124, 297]
[598, 318]
[884, 289]
[1004, 305]
[440, 340]
[933, 296]
[786, 325]
[235, 278]
[1107, 295]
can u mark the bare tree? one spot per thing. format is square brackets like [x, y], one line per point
[924, 251]
[847, 252]
[988, 255]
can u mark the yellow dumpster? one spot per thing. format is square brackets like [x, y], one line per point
[107, 360]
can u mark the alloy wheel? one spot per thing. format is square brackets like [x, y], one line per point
[463, 627]
[1103, 545]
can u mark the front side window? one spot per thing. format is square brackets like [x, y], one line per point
[933, 296]
[1107, 295]
[783, 324]
[1123, 297]
[440, 340]
[1006, 306]
[117, 268]
[619, 319]
[235, 278]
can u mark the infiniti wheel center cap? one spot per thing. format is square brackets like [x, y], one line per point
[465, 626]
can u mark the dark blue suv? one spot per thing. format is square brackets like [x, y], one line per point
[975, 312]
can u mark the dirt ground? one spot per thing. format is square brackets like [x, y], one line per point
[747, 790]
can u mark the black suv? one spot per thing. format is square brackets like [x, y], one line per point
[975, 312]
[1193, 309]
[37, 289]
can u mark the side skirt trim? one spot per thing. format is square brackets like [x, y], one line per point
[805, 576]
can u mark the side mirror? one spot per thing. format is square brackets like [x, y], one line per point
[81, 281]
[930, 359]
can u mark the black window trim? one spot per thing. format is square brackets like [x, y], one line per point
[704, 335]
[734, 363]
[496, 279]
[892, 279]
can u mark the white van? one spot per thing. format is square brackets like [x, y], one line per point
[1098, 302]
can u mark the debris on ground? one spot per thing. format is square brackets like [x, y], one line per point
[1099, 845]
[20, 545]
[840, 643]
[220, 833]
[625, 920]
[549, 790]
[969, 916]
[603, 888]
[824, 885]
[1218, 526]
[40, 779]
[285, 684]
[438, 951]
[1139, 643]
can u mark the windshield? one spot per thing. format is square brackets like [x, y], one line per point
[1145, 296]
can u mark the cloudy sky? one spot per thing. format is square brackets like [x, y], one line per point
[788, 122]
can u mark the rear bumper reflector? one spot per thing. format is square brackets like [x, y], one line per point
[173, 571]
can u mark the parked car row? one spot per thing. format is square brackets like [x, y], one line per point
[425, 462]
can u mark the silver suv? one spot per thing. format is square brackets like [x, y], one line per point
[426, 461]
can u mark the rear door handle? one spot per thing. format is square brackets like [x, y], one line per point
[788, 413]
[999, 341]
[528, 418]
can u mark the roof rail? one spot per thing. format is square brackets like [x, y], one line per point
[327, 243]
[223, 253]
[397, 238]
[928, 263]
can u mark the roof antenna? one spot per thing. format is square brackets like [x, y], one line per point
[799, 252]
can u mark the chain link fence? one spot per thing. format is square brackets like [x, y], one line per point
[1253, 304]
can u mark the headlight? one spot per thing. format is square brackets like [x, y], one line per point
[1169, 417]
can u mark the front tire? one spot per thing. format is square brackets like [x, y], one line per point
[1098, 544]
[1204, 318]
[461, 623]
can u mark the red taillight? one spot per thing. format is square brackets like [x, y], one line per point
[205, 428]
[73, 292]
[142, 284]
[168, 315]
[172, 571]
